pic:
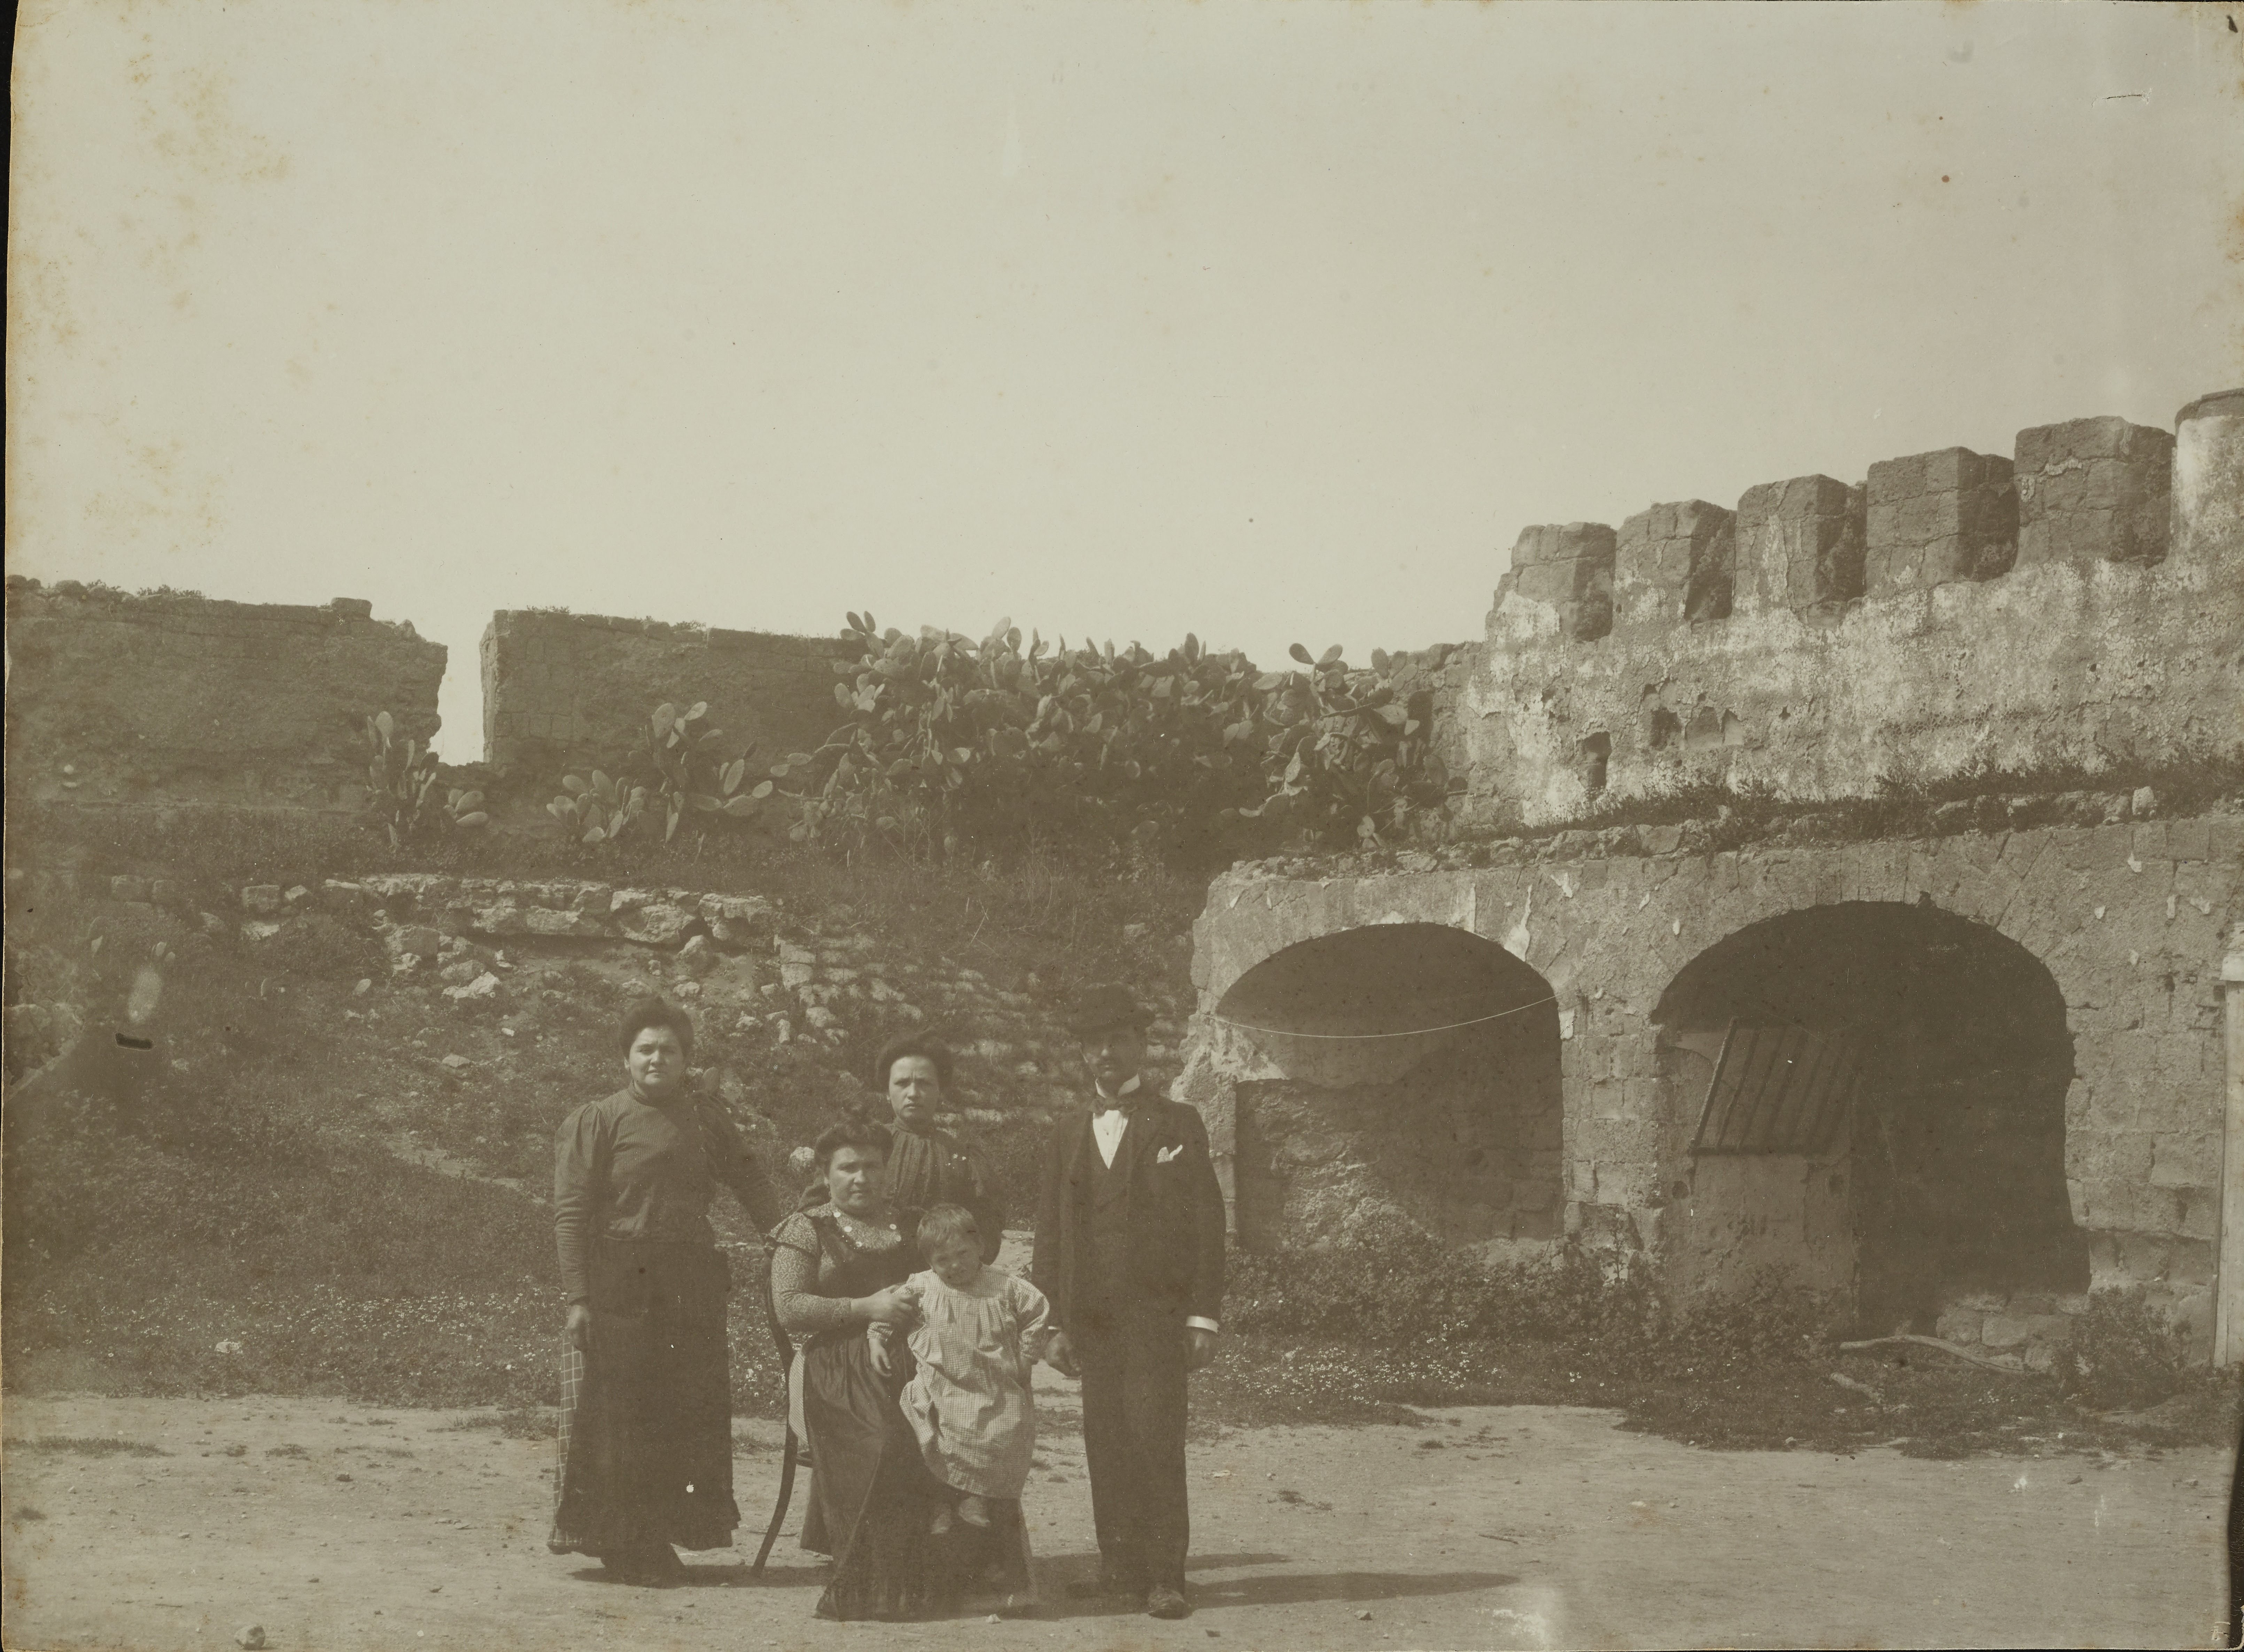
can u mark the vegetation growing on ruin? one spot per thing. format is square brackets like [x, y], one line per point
[313, 1184]
[683, 770]
[1978, 797]
[950, 742]
[1357, 1335]
[403, 796]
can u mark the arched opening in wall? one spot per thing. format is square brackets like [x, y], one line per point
[1420, 1092]
[1874, 1095]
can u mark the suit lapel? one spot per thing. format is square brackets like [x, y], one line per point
[1142, 1130]
[1078, 1161]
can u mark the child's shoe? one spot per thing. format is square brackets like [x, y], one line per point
[974, 1511]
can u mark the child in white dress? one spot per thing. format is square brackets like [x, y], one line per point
[980, 1333]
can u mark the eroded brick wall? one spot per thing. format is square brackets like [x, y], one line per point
[562, 689]
[117, 699]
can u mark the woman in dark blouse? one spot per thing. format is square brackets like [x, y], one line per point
[928, 1166]
[647, 1440]
[835, 1270]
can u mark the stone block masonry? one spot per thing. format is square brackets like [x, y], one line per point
[1801, 543]
[2094, 491]
[1675, 560]
[1970, 1044]
[576, 689]
[2070, 609]
[173, 697]
[1571, 568]
[2113, 934]
[1936, 518]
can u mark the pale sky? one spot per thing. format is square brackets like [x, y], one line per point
[1266, 322]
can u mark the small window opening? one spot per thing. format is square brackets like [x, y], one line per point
[1597, 753]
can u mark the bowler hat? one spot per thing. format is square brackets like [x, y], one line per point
[1097, 1008]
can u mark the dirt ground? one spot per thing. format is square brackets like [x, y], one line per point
[336, 1525]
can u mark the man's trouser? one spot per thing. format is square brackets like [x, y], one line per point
[1132, 1355]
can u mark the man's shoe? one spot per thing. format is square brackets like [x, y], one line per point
[1162, 1601]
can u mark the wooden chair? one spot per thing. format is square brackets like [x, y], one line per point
[785, 1345]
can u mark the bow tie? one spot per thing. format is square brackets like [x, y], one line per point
[1124, 1105]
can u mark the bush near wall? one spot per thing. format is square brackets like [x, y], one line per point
[952, 742]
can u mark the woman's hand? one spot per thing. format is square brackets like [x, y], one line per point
[889, 1307]
[876, 1341]
[578, 1328]
[1060, 1357]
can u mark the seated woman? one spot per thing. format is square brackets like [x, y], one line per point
[968, 1402]
[836, 1270]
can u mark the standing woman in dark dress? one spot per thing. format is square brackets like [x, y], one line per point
[929, 1167]
[835, 1270]
[646, 1417]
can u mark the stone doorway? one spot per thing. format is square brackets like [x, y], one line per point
[1419, 1093]
[1945, 1183]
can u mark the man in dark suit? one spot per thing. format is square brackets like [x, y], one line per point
[1130, 1253]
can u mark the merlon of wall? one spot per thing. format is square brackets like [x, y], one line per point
[2078, 605]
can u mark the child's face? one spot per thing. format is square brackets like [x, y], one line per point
[955, 1262]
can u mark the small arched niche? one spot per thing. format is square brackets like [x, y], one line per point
[1420, 1089]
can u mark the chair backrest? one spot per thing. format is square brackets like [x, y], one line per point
[780, 1340]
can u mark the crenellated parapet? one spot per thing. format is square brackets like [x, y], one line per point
[2078, 604]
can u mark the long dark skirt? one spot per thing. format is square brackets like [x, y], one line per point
[646, 1426]
[872, 1499]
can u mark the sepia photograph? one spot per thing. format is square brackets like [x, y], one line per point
[1020, 824]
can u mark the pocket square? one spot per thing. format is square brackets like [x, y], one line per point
[1168, 1153]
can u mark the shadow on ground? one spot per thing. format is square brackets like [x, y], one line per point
[1283, 1589]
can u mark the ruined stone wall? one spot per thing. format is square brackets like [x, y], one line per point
[2126, 918]
[2077, 605]
[121, 699]
[1433, 683]
[562, 689]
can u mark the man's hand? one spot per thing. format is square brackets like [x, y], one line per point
[578, 1328]
[1061, 1357]
[1199, 1346]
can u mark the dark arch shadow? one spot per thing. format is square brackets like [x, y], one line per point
[1950, 1176]
[1420, 1063]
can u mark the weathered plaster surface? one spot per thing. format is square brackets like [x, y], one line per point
[561, 687]
[2127, 919]
[2083, 607]
[118, 698]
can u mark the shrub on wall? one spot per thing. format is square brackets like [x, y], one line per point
[684, 771]
[2124, 1354]
[403, 798]
[951, 741]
